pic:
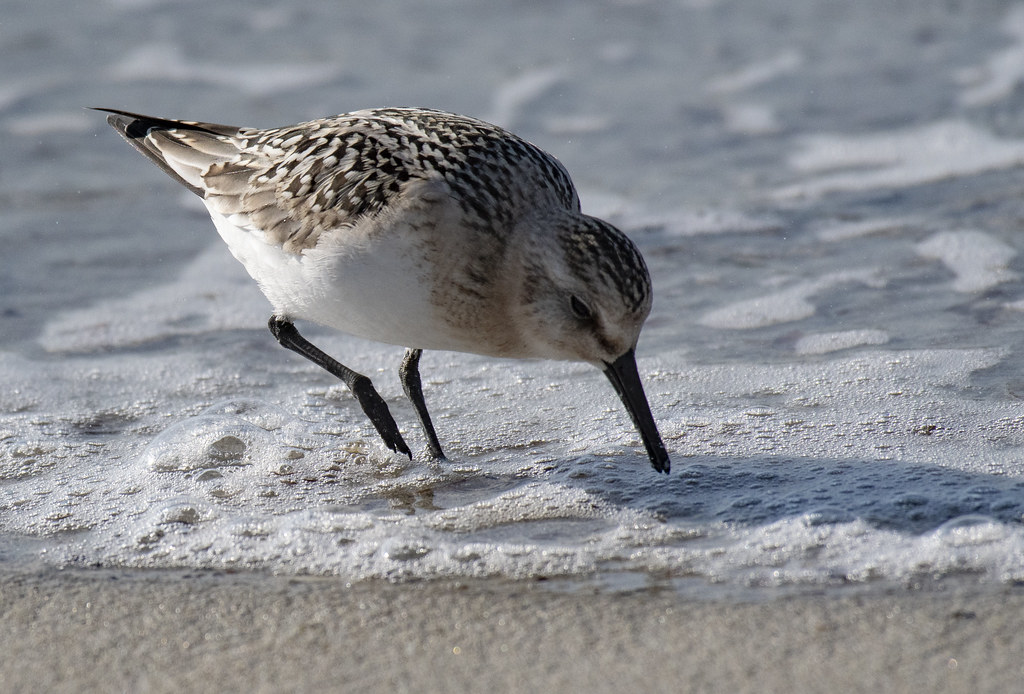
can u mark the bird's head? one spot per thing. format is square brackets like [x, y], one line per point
[585, 295]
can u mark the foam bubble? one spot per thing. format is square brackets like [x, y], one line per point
[209, 443]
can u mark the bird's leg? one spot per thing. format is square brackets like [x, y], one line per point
[371, 401]
[409, 372]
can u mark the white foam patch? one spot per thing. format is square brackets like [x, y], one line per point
[213, 293]
[630, 214]
[512, 96]
[747, 117]
[1002, 73]
[835, 232]
[795, 551]
[779, 307]
[248, 485]
[750, 119]
[901, 158]
[1015, 305]
[978, 260]
[823, 343]
[758, 73]
[166, 62]
[785, 306]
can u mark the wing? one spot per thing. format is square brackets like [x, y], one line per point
[294, 184]
[183, 149]
[289, 184]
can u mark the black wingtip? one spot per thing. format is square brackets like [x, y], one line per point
[131, 125]
[134, 127]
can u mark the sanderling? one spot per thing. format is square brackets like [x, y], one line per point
[418, 228]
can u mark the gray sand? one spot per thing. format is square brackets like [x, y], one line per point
[79, 631]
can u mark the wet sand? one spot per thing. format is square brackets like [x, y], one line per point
[155, 632]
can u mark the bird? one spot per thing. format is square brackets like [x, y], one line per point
[418, 228]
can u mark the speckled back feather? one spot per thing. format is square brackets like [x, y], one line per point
[295, 183]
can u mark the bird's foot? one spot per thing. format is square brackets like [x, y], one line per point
[377, 410]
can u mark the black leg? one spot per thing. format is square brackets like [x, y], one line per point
[371, 401]
[409, 372]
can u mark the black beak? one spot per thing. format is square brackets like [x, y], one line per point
[623, 375]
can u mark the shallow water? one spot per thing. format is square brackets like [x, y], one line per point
[828, 198]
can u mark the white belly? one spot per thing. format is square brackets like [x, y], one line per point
[370, 285]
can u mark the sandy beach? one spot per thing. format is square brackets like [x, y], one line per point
[161, 632]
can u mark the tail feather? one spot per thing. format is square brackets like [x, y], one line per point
[185, 150]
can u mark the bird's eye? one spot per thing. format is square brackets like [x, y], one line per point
[580, 309]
